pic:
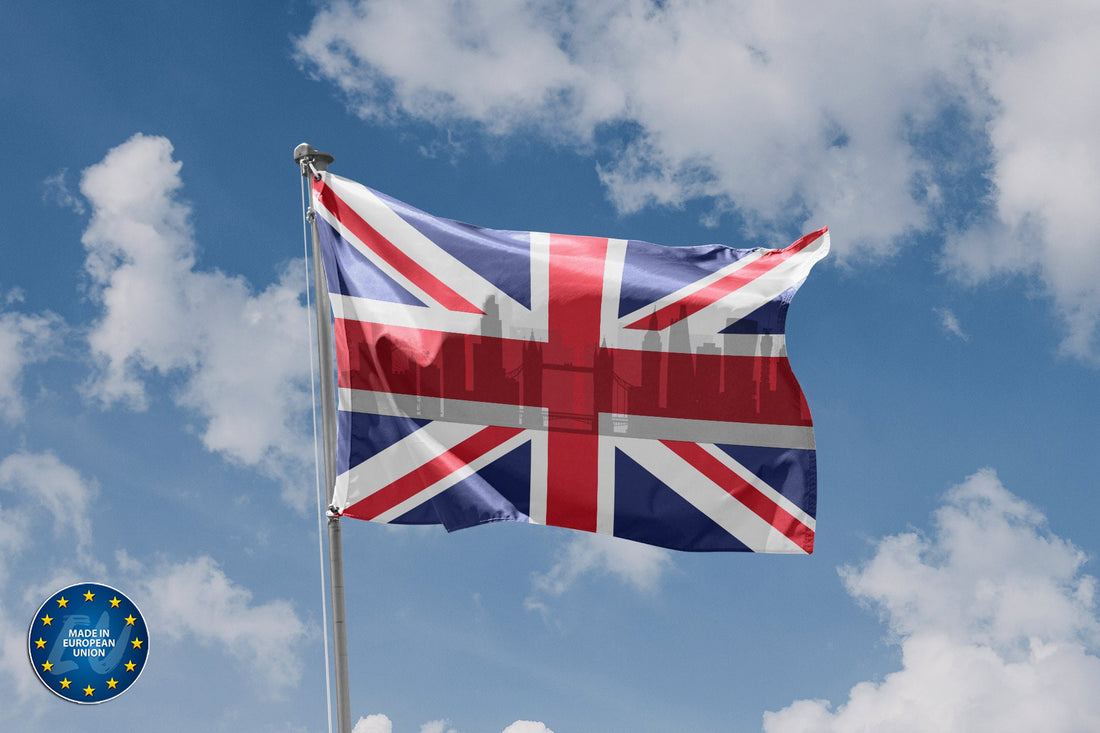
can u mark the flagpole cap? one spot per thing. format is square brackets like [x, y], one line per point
[306, 154]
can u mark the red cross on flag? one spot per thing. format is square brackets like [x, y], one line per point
[604, 385]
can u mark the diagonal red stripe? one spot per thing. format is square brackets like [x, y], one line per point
[700, 299]
[393, 255]
[425, 475]
[744, 492]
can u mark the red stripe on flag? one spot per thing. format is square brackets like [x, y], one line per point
[572, 480]
[744, 492]
[573, 386]
[440, 467]
[385, 249]
[718, 289]
[569, 383]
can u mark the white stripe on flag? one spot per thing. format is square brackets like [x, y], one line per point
[711, 499]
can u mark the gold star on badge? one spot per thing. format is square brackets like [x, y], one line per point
[65, 683]
[114, 602]
[47, 666]
[62, 602]
[130, 620]
[47, 619]
[112, 683]
[88, 691]
[89, 596]
[136, 643]
[40, 643]
[130, 666]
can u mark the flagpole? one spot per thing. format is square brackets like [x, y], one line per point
[312, 162]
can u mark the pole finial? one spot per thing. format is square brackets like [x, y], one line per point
[307, 155]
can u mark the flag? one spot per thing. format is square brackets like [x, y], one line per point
[604, 385]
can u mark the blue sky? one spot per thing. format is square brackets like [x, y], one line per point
[155, 430]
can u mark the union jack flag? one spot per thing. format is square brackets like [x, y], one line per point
[604, 385]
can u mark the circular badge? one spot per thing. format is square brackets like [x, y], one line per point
[88, 643]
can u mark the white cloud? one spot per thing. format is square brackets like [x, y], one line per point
[56, 189]
[243, 355]
[878, 119]
[192, 600]
[196, 599]
[24, 340]
[527, 726]
[379, 723]
[1046, 171]
[950, 323]
[637, 565]
[42, 482]
[37, 490]
[376, 723]
[20, 684]
[996, 621]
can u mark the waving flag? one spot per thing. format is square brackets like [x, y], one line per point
[604, 385]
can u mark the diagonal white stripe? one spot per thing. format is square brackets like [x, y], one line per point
[711, 499]
[375, 258]
[693, 287]
[464, 471]
[433, 258]
[399, 459]
[760, 485]
[765, 288]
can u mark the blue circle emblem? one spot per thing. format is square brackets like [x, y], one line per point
[88, 643]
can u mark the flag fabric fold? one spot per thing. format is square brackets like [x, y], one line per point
[604, 385]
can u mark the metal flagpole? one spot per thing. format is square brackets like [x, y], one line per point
[313, 162]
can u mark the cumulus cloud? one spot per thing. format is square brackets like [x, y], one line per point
[638, 566]
[13, 662]
[195, 599]
[192, 600]
[970, 120]
[379, 723]
[527, 726]
[243, 355]
[43, 503]
[25, 339]
[376, 723]
[997, 626]
[46, 487]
